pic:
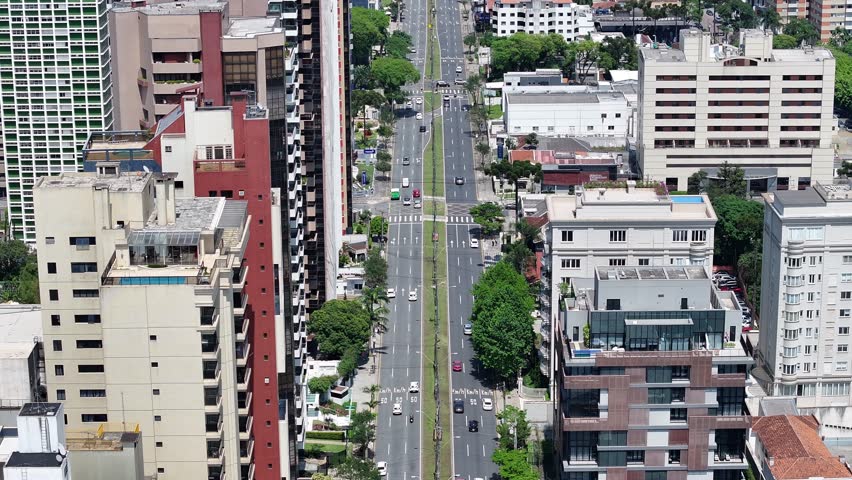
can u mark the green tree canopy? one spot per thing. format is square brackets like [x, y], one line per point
[729, 180]
[581, 57]
[525, 52]
[740, 226]
[784, 42]
[362, 77]
[362, 430]
[503, 339]
[393, 73]
[489, 216]
[339, 325]
[14, 254]
[843, 77]
[379, 226]
[362, 98]
[619, 54]
[375, 266]
[501, 274]
[369, 29]
[513, 465]
[736, 15]
[355, 468]
[769, 19]
[513, 426]
[801, 30]
[320, 385]
[397, 44]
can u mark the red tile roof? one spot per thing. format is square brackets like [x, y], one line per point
[794, 443]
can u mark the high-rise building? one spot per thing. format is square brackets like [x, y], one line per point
[767, 111]
[806, 303]
[570, 20]
[56, 86]
[650, 385]
[144, 312]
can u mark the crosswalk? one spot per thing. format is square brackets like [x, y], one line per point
[405, 218]
[460, 219]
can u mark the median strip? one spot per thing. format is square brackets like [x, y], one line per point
[434, 156]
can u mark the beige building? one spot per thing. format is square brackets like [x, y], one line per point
[142, 299]
[768, 111]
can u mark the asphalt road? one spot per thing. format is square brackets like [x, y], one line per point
[471, 450]
[397, 439]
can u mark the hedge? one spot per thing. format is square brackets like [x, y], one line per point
[325, 435]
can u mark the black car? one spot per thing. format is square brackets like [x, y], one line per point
[406, 161]
[422, 128]
[442, 83]
[459, 180]
[458, 405]
[473, 426]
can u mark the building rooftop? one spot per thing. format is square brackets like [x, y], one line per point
[106, 438]
[35, 460]
[544, 98]
[41, 409]
[552, 158]
[612, 203]
[247, 27]
[191, 214]
[124, 182]
[812, 202]
[186, 7]
[651, 273]
[795, 450]
[20, 323]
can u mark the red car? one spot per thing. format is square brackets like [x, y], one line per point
[457, 365]
[416, 193]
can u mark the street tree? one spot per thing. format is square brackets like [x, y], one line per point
[397, 44]
[802, 30]
[385, 131]
[339, 325]
[697, 183]
[840, 37]
[387, 116]
[392, 73]
[472, 86]
[489, 216]
[375, 300]
[619, 54]
[503, 339]
[483, 149]
[512, 172]
[321, 476]
[361, 99]
[348, 362]
[513, 428]
[369, 29]
[383, 165]
[528, 232]
[513, 465]
[784, 42]
[738, 229]
[362, 77]
[524, 52]
[518, 255]
[581, 57]
[375, 266]
[736, 15]
[729, 180]
[470, 41]
[479, 117]
[356, 468]
[501, 274]
[845, 169]
[362, 430]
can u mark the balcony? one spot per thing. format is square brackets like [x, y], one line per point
[211, 376]
[176, 67]
[242, 353]
[242, 382]
[241, 325]
[214, 453]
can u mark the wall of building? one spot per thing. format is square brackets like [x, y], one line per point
[607, 117]
[124, 464]
[18, 373]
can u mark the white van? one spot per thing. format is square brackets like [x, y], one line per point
[405, 183]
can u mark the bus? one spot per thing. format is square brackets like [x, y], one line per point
[394, 194]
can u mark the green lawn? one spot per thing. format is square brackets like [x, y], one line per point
[437, 158]
[495, 112]
[429, 335]
[433, 67]
[431, 100]
[326, 447]
[433, 206]
[365, 167]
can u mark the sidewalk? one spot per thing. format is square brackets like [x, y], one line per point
[366, 377]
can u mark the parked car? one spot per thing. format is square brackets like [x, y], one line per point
[382, 467]
[406, 161]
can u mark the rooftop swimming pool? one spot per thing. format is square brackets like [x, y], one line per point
[687, 199]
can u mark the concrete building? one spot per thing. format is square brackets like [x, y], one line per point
[109, 452]
[569, 19]
[21, 360]
[566, 113]
[41, 452]
[144, 315]
[649, 386]
[562, 171]
[768, 111]
[806, 303]
[788, 447]
[57, 86]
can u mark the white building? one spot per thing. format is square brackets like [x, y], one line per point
[21, 379]
[569, 19]
[768, 111]
[143, 297]
[556, 112]
[806, 307]
[54, 92]
[41, 452]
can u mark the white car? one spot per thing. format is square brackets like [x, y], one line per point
[382, 467]
[391, 293]
[487, 404]
[474, 243]
[408, 104]
[412, 296]
[468, 329]
[419, 116]
[418, 101]
[459, 69]
[397, 409]
[414, 387]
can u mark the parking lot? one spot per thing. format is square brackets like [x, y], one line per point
[726, 280]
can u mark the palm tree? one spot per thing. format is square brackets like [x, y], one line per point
[374, 300]
[528, 232]
[472, 87]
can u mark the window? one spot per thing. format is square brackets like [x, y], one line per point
[679, 235]
[796, 262]
[161, 470]
[92, 393]
[59, 370]
[158, 444]
[54, 295]
[847, 259]
[846, 295]
[87, 318]
[93, 417]
[618, 235]
[658, 375]
[617, 262]
[156, 391]
[674, 456]
[54, 320]
[84, 267]
[810, 296]
[807, 349]
[699, 235]
[85, 293]
[844, 312]
[582, 446]
[731, 401]
[841, 366]
[617, 115]
[49, 240]
[153, 338]
[90, 344]
[168, 148]
[792, 298]
[57, 345]
[811, 279]
[832, 389]
[90, 368]
[155, 364]
[655, 475]
[677, 415]
[843, 348]
[51, 267]
[158, 418]
[613, 304]
[843, 330]
[82, 241]
[644, 262]
[657, 396]
[846, 278]
[635, 456]
[809, 233]
[60, 394]
[573, 263]
[567, 235]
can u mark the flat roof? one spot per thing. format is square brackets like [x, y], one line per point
[20, 323]
[544, 98]
[40, 409]
[245, 27]
[651, 273]
[619, 204]
[800, 198]
[124, 182]
[191, 214]
[188, 7]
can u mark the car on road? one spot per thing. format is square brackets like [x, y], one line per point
[418, 101]
[459, 69]
[442, 83]
[412, 50]
[422, 128]
[413, 387]
[391, 293]
[406, 161]
[457, 365]
[406, 201]
[408, 104]
[468, 329]
[459, 81]
[419, 116]
[417, 204]
[446, 99]
[382, 467]
[397, 409]
[487, 404]
[394, 194]
[412, 296]
[474, 243]
[458, 405]
[459, 180]
[406, 182]
[416, 193]
[473, 426]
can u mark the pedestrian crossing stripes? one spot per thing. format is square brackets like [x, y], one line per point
[405, 218]
[460, 219]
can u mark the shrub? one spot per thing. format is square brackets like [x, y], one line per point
[330, 435]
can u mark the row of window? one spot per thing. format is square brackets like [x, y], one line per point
[828, 389]
[618, 236]
[828, 367]
[90, 318]
[84, 393]
[57, 344]
[59, 370]
[53, 294]
[76, 267]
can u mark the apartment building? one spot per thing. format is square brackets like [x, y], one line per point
[144, 315]
[768, 111]
[569, 19]
[650, 386]
[56, 86]
[806, 303]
